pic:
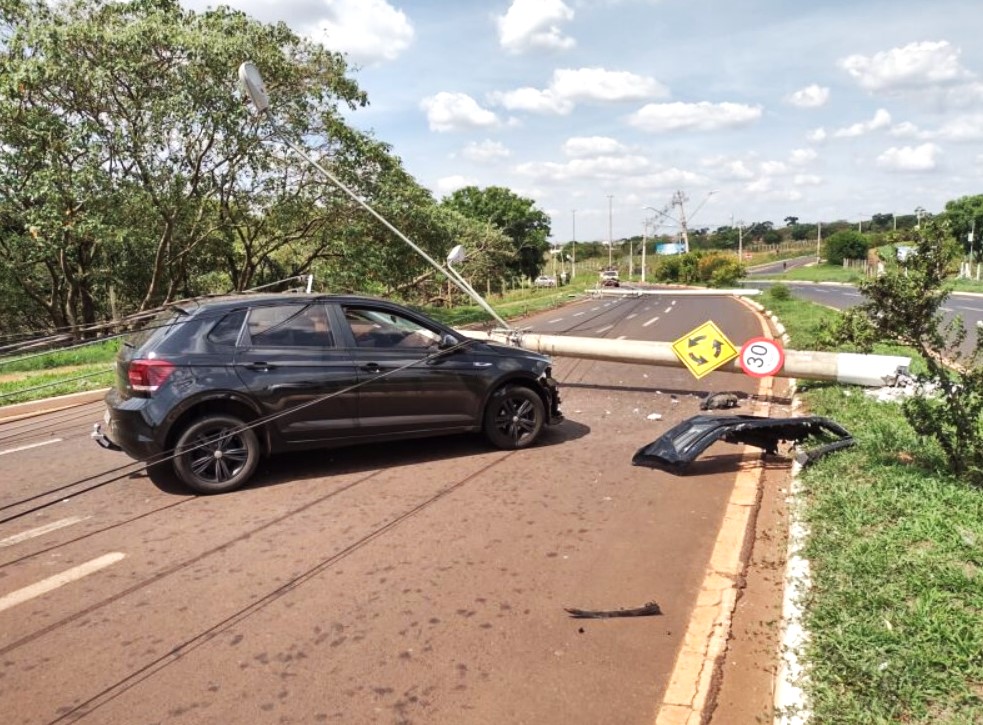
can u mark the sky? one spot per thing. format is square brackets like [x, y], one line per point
[602, 111]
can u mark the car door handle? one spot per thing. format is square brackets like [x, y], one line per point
[372, 368]
[260, 366]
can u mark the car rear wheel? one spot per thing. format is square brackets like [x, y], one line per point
[216, 453]
[514, 417]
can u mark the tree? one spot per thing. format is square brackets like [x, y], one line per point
[905, 305]
[517, 217]
[845, 244]
[964, 215]
[130, 169]
[791, 221]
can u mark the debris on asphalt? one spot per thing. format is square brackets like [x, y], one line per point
[654, 416]
[650, 609]
[674, 450]
[720, 401]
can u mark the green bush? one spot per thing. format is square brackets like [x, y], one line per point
[700, 268]
[779, 292]
[846, 244]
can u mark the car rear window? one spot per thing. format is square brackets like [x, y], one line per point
[156, 329]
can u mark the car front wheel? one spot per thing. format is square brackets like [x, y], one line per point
[514, 417]
[216, 453]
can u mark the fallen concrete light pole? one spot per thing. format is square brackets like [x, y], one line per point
[708, 292]
[846, 368]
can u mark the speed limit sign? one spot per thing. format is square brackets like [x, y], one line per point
[761, 357]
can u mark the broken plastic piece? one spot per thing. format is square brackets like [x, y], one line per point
[650, 609]
[679, 446]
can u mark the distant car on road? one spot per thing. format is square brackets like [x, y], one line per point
[609, 278]
[545, 281]
[212, 387]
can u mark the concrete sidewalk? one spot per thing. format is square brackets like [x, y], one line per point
[47, 405]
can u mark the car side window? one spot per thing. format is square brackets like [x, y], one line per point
[293, 325]
[380, 328]
[225, 333]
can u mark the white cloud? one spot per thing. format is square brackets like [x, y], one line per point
[961, 128]
[456, 111]
[569, 86]
[725, 168]
[532, 100]
[671, 178]
[881, 119]
[807, 180]
[812, 96]
[529, 24]
[817, 135]
[703, 116]
[773, 168]
[801, 157]
[450, 184]
[368, 30]
[765, 188]
[603, 167]
[916, 65]
[485, 151]
[586, 146]
[598, 84]
[910, 158]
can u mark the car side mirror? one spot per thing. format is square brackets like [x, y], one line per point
[447, 341]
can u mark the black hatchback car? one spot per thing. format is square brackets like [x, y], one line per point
[214, 386]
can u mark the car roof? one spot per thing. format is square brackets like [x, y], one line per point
[230, 302]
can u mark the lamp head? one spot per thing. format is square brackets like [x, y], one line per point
[252, 84]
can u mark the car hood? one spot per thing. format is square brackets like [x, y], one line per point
[510, 351]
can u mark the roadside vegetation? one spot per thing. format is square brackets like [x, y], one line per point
[895, 523]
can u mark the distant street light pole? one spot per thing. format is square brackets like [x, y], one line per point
[610, 235]
[645, 229]
[573, 244]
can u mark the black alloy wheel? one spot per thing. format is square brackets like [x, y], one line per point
[514, 418]
[216, 453]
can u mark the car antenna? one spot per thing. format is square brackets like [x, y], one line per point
[252, 84]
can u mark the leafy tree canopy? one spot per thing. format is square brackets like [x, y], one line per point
[517, 217]
[844, 244]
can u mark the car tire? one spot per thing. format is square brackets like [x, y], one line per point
[514, 417]
[216, 454]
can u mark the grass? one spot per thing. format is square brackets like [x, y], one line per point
[31, 376]
[895, 612]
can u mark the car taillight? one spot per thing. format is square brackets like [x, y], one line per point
[146, 376]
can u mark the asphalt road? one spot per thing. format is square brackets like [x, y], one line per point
[842, 296]
[421, 582]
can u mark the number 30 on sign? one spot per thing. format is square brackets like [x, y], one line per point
[761, 357]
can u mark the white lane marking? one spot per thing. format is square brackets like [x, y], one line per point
[947, 309]
[622, 337]
[58, 580]
[633, 314]
[553, 322]
[594, 309]
[667, 310]
[32, 445]
[41, 530]
[646, 324]
[577, 314]
[604, 329]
